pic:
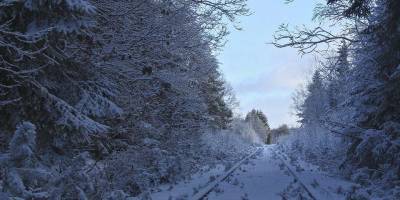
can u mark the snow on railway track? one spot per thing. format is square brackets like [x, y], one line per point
[265, 173]
[318, 184]
[265, 179]
[201, 194]
[296, 177]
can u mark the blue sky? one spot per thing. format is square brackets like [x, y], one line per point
[262, 76]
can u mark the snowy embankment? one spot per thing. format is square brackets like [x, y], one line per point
[319, 184]
[315, 148]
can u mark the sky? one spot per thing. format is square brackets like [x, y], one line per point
[263, 76]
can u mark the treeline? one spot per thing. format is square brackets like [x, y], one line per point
[125, 85]
[258, 123]
[352, 102]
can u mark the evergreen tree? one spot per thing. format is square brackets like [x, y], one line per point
[36, 36]
[315, 103]
[259, 122]
[215, 92]
[263, 118]
[31, 26]
[339, 71]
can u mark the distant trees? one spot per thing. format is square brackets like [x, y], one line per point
[276, 133]
[259, 122]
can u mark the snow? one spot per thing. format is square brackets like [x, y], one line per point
[97, 127]
[189, 187]
[223, 176]
[320, 184]
[96, 105]
[198, 184]
[73, 119]
[263, 176]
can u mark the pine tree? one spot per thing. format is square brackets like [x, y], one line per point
[36, 27]
[263, 118]
[37, 37]
[259, 122]
[359, 8]
[339, 71]
[218, 109]
[39, 17]
[315, 103]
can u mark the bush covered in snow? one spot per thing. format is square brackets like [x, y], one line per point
[21, 169]
[235, 139]
[315, 145]
[230, 145]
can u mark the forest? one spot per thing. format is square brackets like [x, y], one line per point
[114, 99]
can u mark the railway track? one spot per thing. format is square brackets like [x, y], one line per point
[295, 176]
[205, 191]
[202, 194]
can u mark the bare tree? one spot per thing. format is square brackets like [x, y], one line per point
[308, 40]
[339, 20]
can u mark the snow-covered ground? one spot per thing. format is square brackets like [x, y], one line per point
[320, 184]
[259, 178]
[188, 188]
[264, 176]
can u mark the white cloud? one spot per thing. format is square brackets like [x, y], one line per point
[272, 89]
